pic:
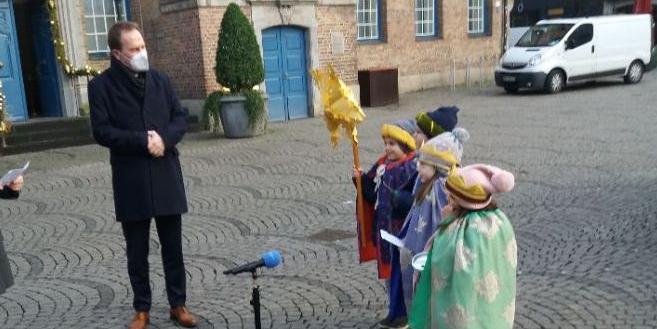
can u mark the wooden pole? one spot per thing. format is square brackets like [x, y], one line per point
[360, 208]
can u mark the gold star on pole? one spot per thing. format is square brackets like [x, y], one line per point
[340, 107]
[342, 110]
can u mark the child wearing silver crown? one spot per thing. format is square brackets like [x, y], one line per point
[435, 159]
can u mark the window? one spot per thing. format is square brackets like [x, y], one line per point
[99, 15]
[544, 35]
[581, 36]
[479, 18]
[476, 16]
[368, 19]
[425, 18]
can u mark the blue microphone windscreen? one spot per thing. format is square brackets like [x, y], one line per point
[272, 258]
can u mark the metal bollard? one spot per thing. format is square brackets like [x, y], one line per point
[481, 73]
[467, 72]
[453, 77]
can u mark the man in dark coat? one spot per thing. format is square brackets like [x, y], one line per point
[136, 114]
[10, 191]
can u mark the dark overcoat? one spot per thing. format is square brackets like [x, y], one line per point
[6, 278]
[121, 116]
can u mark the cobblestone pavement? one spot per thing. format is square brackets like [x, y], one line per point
[584, 212]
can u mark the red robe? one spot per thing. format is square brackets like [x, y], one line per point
[380, 213]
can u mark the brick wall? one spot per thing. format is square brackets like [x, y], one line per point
[173, 40]
[412, 56]
[338, 21]
[177, 51]
[183, 44]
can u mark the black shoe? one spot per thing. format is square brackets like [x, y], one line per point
[398, 323]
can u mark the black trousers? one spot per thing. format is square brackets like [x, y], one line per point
[6, 278]
[137, 236]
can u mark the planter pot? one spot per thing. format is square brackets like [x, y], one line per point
[235, 120]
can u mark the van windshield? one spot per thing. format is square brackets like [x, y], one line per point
[544, 35]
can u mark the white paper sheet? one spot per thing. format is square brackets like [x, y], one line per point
[11, 175]
[392, 239]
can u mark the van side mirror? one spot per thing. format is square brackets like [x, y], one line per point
[570, 44]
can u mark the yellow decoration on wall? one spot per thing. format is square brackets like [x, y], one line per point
[5, 126]
[58, 42]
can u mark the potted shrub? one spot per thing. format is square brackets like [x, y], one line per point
[239, 70]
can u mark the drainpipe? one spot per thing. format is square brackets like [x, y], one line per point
[504, 28]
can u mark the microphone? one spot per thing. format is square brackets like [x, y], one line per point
[269, 259]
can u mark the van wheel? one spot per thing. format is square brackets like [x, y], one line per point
[511, 90]
[634, 73]
[555, 82]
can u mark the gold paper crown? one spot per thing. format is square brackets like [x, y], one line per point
[456, 184]
[398, 134]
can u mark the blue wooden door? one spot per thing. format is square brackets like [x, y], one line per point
[44, 51]
[10, 66]
[286, 72]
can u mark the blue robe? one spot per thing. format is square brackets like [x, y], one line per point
[389, 185]
[422, 221]
[388, 192]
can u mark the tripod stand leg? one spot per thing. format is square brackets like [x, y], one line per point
[255, 301]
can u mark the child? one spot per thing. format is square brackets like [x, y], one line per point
[432, 124]
[427, 125]
[382, 186]
[469, 279]
[436, 157]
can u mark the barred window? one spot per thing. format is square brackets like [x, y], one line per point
[425, 18]
[367, 12]
[476, 16]
[99, 16]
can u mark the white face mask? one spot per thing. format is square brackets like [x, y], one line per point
[138, 62]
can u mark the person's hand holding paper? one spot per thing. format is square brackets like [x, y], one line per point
[17, 184]
[13, 179]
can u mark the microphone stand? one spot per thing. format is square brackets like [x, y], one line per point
[255, 299]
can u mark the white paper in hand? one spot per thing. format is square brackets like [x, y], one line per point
[392, 239]
[11, 175]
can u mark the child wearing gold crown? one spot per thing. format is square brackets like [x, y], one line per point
[383, 187]
[435, 159]
[469, 278]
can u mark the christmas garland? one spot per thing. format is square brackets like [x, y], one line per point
[5, 126]
[59, 46]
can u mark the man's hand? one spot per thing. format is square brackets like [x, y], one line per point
[155, 144]
[16, 185]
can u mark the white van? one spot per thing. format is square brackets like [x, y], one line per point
[557, 52]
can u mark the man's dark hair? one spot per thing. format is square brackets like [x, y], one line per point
[115, 32]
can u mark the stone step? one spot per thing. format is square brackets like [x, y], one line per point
[36, 146]
[45, 134]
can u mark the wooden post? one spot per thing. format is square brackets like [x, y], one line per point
[360, 208]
